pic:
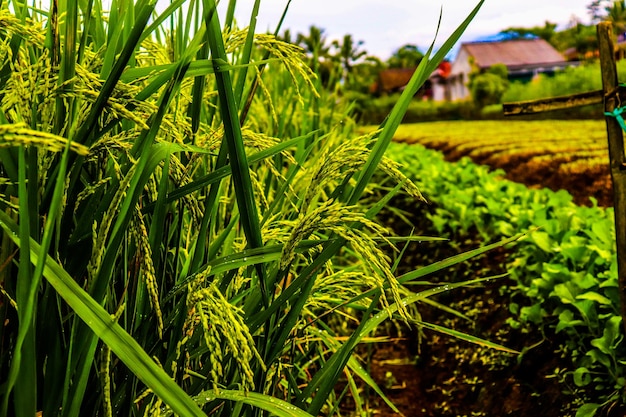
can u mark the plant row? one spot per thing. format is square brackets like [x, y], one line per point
[467, 136]
[565, 267]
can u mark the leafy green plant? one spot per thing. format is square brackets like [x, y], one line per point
[566, 269]
[182, 216]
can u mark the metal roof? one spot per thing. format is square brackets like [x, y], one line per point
[513, 53]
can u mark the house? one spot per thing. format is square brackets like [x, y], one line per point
[394, 80]
[524, 59]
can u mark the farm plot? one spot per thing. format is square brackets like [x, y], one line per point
[570, 155]
[557, 306]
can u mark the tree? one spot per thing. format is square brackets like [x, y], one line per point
[616, 14]
[407, 56]
[577, 36]
[315, 43]
[546, 32]
[363, 74]
[317, 48]
[612, 10]
[488, 87]
[597, 9]
[349, 52]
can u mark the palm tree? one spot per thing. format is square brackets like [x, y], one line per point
[315, 43]
[349, 52]
[317, 48]
[616, 14]
[597, 9]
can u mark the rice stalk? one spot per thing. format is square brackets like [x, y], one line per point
[140, 234]
[224, 331]
[18, 134]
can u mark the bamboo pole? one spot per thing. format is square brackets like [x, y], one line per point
[552, 103]
[616, 153]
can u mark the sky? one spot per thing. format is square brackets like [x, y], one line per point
[385, 25]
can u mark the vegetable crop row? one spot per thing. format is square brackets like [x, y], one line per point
[566, 267]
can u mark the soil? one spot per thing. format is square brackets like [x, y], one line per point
[433, 374]
[444, 376]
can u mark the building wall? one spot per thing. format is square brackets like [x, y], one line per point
[459, 76]
[439, 89]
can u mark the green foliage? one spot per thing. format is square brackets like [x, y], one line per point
[616, 14]
[488, 87]
[372, 111]
[567, 269]
[571, 80]
[581, 37]
[583, 78]
[407, 56]
[546, 32]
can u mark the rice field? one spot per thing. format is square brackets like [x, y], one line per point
[559, 154]
[184, 221]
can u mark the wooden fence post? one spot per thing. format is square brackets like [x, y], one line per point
[616, 152]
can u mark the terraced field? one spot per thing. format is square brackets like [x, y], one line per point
[569, 155]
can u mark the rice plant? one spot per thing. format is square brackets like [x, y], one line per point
[182, 216]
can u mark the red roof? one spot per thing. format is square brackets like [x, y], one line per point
[394, 78]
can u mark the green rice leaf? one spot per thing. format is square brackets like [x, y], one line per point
[467, 337]
[453, 260]
[273, 405]
[232, 132]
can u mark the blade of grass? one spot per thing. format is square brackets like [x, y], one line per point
[255, 85]
[29, 303]
[270, 404]
[385, 314]
[232, 131]
[323, 382]
[25, 398]
[467, 337]
[246, 53]
[356, 367]
[453, 260]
